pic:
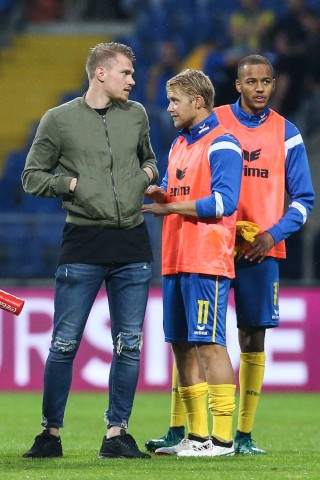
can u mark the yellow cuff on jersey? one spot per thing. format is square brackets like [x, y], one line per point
[245, 234]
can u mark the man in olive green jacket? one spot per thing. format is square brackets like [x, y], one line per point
[95, 153]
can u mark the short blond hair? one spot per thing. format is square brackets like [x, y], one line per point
[104, 54]
[193, 83]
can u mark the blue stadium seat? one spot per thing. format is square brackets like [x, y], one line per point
[32, 204]
[14, 164]
[18, 257]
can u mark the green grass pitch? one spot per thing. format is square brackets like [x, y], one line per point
[287, 426]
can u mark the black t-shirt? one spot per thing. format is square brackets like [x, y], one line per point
[105, 246]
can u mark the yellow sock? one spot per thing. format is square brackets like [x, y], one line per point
[195, 399]
[178, 414]
[222, 404]
[251, 374]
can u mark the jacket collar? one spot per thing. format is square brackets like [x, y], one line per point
[247, 118]
[198, 131]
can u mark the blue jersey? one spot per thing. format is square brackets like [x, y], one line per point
[223, 199]
[297, 179]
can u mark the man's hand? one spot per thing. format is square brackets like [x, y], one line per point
[157, 209]
[187, 209]
[156, 193]
[258, 249]
[73, 185]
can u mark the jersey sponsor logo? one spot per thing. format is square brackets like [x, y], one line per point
[201, 328]
[263, 117]
[203, 128]
[180, 174]
[255, 172]
[179, 191]
[275, 315]
[251, 171]
[251, 156]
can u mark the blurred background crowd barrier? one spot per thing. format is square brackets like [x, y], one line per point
[43, 49]
[291, 349]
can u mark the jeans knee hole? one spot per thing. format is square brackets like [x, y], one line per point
[65, 345]
[129, 341]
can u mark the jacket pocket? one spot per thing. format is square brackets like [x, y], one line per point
[93, 200]
[132, 194]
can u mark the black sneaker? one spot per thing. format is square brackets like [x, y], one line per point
[45, 445]
[121, 446]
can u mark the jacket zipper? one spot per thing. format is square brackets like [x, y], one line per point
[111, 172]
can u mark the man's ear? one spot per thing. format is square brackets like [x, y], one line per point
[100, 71]
[199, 102]
[238, 86]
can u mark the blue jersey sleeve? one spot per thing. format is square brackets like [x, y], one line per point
[226, 172]
[298, 186]
[164, 182]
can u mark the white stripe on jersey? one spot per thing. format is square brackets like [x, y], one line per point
[292, 142]
[301, 209]
[224, 145]
[219, 204]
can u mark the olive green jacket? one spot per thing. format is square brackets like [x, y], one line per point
[106, 154]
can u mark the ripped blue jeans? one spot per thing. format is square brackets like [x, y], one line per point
[77, 286]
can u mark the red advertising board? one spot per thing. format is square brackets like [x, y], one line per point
[292, 350]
